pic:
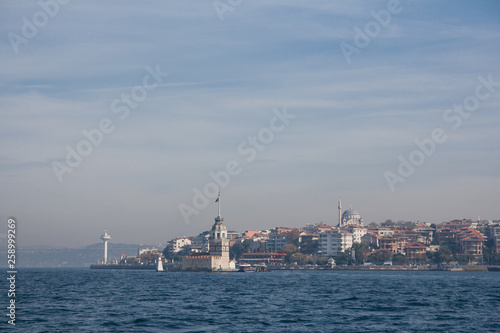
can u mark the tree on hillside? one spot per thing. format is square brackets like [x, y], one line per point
[309, 248]
[239, 248]
[399, 259]
[289, 249]
[293, 237]
[372, 225]
[388, 223]
[409, 225]
[298, 257]
[149, 257]
[380, 256]
[444, 254]
[343, 259]
[361, 252]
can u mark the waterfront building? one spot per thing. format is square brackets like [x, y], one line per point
[415, 250]
[471, 241]
[494, 233]
[277, 241]
[385, 231]
[260, 257]
[177, 244]
[202, 239]
[232, 236]
[455, 224]
[372, 238]
[147, 250]
[445, 236]
[332, 243]
[307, 239]
[395, 244]
[217, 259]
[357, 232]
[323, 228]
[421, 234]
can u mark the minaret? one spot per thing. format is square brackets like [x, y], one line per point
[340, 213]
[105, 238]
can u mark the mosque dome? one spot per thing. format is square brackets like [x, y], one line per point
[350, 217]
[351, 212]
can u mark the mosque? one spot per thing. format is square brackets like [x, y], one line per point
[217, 258]
[349, 217]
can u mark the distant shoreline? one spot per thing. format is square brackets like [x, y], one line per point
[464, 268]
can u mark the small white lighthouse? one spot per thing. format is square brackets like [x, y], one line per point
[105, 238]
[159, 266]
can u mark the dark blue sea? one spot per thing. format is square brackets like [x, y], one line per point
[84, 300]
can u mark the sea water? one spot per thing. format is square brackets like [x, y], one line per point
[84, 300]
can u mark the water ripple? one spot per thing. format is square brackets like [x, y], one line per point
[66, 300]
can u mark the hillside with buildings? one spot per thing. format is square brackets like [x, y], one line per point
[350, 242]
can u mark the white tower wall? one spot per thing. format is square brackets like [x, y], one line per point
[105, 238]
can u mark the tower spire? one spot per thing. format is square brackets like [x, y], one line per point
[340, 212]
[218, 201]
[218, 219]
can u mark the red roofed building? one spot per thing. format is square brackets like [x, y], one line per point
[395, 244]
[249, 234]
[415, 249]
[324, 228]
[424, 234]
[455, 224]
[471, 241]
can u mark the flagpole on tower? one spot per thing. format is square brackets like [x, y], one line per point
[218, 201]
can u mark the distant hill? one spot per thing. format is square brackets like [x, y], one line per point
[80, 257]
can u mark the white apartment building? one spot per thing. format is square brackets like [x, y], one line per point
[357, 232]
[333, 242]
[176, 244]
[145, 250]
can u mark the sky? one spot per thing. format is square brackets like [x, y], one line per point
[121, 115]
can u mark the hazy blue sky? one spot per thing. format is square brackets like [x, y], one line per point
[66, 69]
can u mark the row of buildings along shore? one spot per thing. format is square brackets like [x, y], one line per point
[210, 250]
